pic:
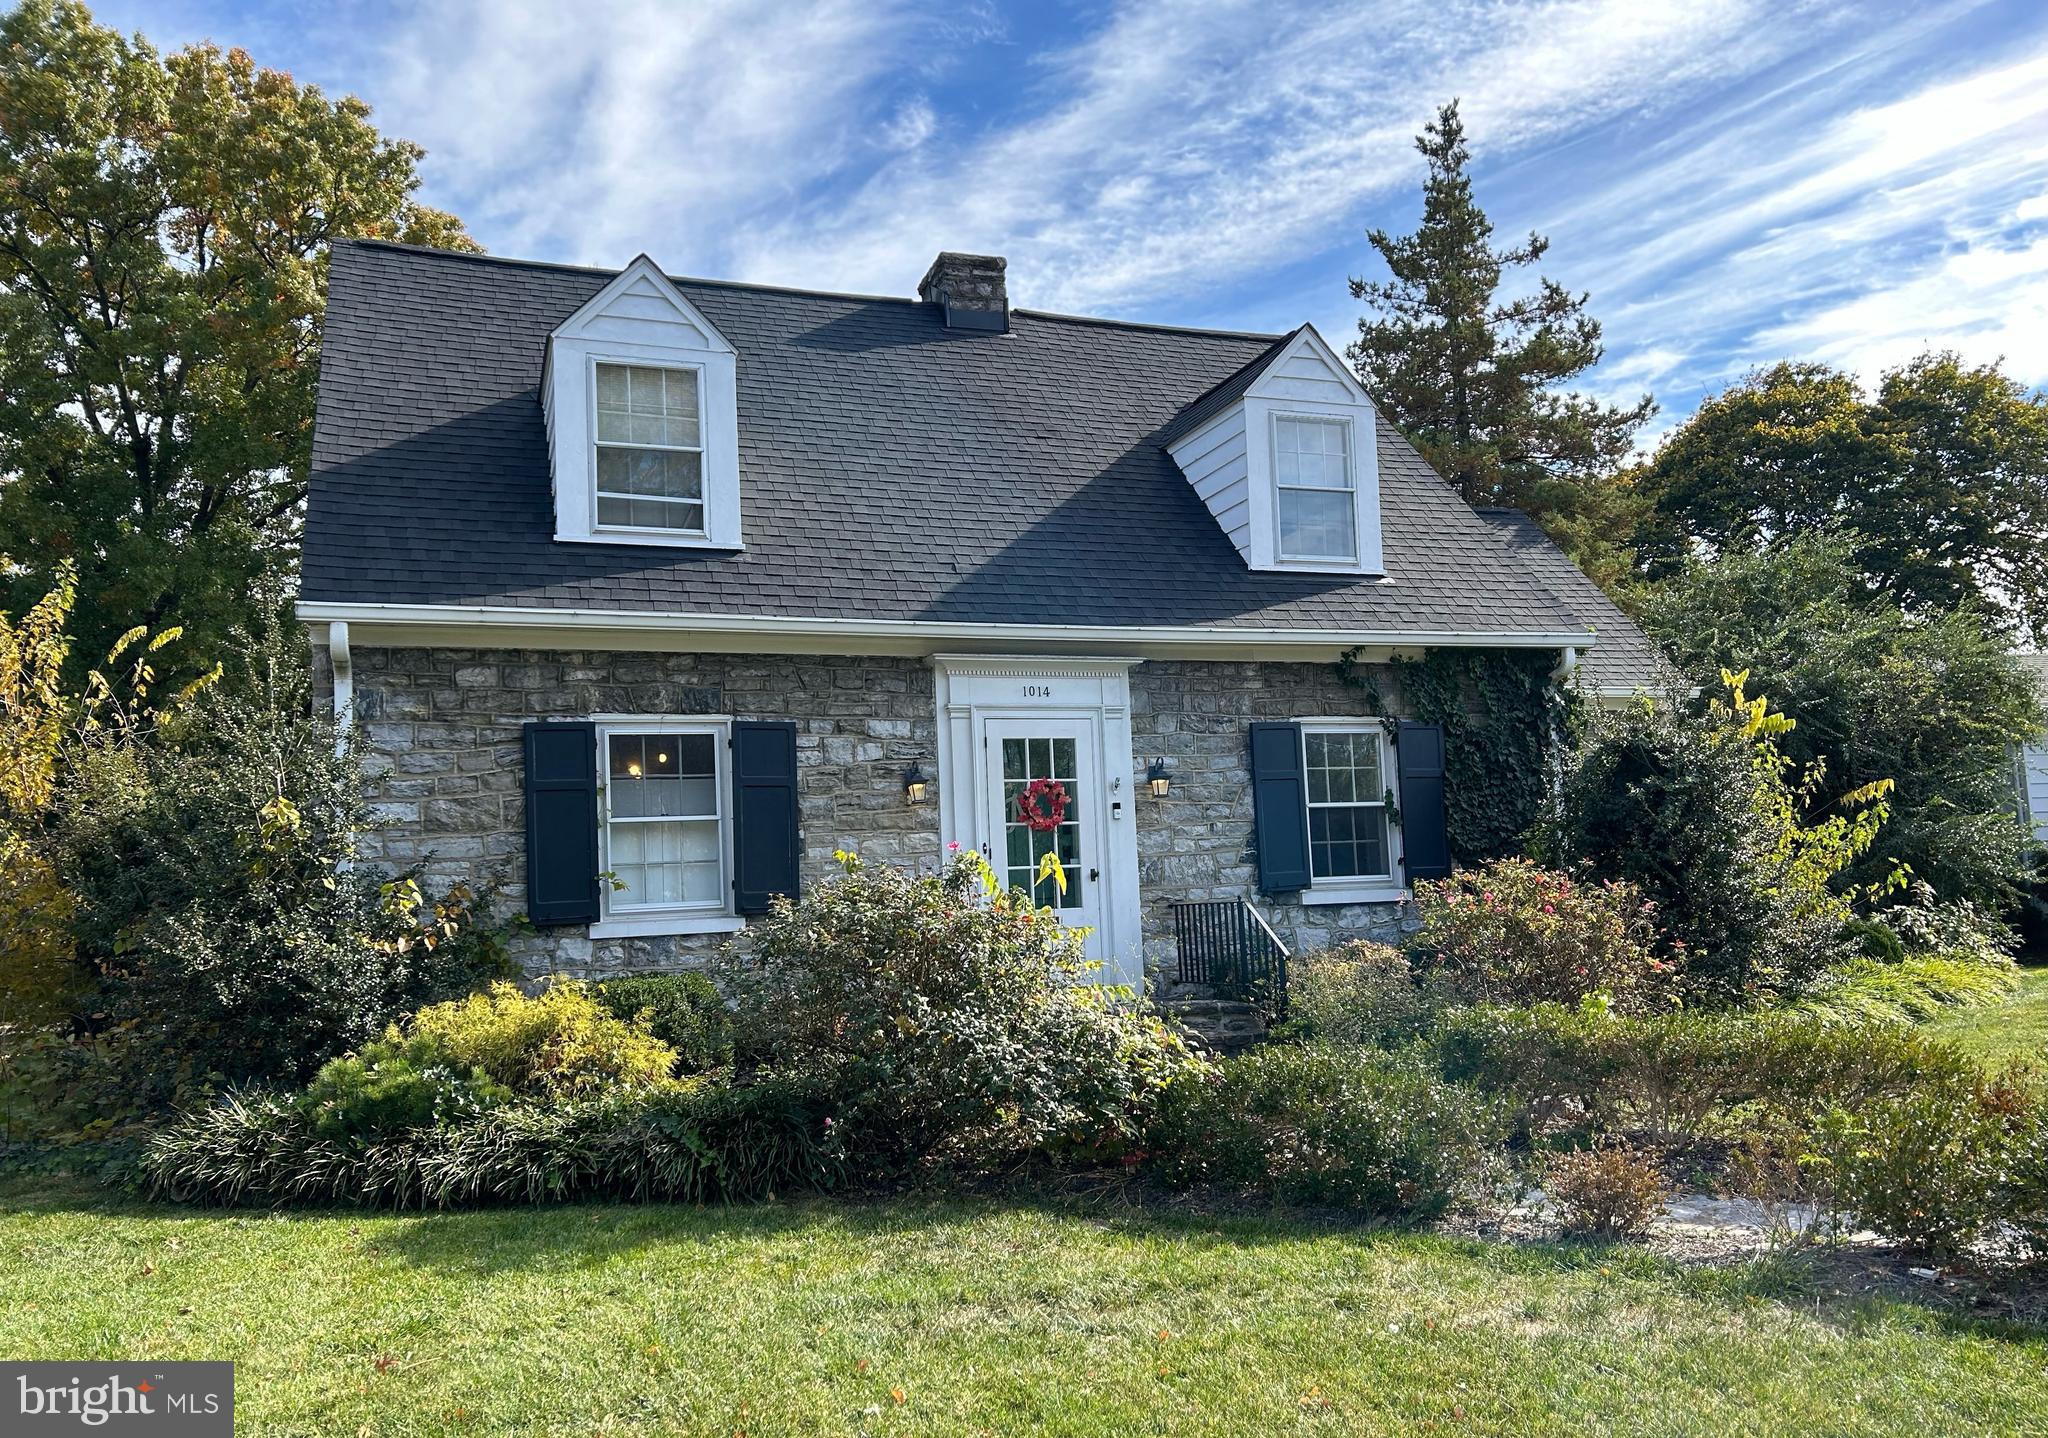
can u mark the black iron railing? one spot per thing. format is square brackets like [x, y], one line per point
[1227, 946]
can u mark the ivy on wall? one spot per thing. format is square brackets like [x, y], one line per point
[1503, 713]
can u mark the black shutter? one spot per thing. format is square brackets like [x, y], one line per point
[764, 813]
[1425, 837]
[561, 823]
[1279, 807]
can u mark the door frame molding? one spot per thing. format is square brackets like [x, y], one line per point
[973, 688]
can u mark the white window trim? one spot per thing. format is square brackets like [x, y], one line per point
[1356, 890]
[1281, 557]
[701, 449]
[653, 922]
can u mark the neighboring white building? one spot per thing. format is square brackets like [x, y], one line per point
[2032, 778]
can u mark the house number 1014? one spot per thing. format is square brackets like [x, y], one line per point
[1038, 691]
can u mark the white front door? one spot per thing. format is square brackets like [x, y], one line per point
[1062, 750]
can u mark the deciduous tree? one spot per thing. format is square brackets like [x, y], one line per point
[164, 225]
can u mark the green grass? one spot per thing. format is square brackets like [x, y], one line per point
[997, 1317]
[2016, 1028]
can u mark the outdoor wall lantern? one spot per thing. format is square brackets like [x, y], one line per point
[1158, 778]
[914, 784]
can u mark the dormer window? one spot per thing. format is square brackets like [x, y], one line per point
[1317, 497]
[642, 398]
[1285, 453]
[650, 448]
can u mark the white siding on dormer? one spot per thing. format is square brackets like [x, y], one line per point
[1213, 459]
[1305, 375]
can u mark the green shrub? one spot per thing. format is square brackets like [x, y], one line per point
[1327, 1124]
[1611, 1190]
[1925, 924]
[1698, 811]
[452, 1059]
[691, 1143]
[1514, 932]
[1931, 1168]
[1361, 993]
[231, 933]
[1680, 1075]
[947, 1024]
[390, 1088]
[685, 1011]
[559, 1044]
[1874, 941]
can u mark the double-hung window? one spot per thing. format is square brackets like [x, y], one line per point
[663, 814]
[650, 448]
[1315, 493]
[1351, 839]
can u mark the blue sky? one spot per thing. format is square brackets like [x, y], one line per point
[1734, 182]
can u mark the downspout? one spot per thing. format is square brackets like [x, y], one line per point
[1567, 669]
[343, 665]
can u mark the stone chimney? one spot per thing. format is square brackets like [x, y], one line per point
[971, 288]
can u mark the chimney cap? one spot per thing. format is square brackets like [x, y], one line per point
[971, 288]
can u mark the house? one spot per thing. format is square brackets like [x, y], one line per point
[656, 592]
[2031, 763]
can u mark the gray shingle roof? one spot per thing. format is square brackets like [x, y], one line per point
[1623, 657]
[890, 468]
[1224, 395]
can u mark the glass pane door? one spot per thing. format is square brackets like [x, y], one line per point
[1024, 848]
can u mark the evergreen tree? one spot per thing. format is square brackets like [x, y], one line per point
[164, 225]
[1472, 379]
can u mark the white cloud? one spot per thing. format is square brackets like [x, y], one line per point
[1193, 146]
[591, 132]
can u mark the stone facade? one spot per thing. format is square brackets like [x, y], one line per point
[443, 733]
[1197, 843]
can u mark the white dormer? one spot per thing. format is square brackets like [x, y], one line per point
[1290, 465]
[643, 419]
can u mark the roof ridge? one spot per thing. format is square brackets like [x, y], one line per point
[563, 265]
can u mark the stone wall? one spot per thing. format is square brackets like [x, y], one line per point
[1197, 843]
[443, 733]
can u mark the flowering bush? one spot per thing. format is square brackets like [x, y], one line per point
[1516, 933]
[946, 1023]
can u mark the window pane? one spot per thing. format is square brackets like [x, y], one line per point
[661, 776]
[671, 474]
[651, 514]
[1348, 842]
[674, 862]
[1316, 524]
[641, 404]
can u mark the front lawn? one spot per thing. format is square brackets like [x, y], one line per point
[961, 1317]
[1997, 1033]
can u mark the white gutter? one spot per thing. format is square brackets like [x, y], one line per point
[581, 625]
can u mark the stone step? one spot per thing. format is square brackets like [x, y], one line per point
[1218, 1026]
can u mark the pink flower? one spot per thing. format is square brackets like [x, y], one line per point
[954, 847]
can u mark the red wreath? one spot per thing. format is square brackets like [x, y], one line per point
[1043, 805]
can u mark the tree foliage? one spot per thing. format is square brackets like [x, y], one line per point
[1473, 378]
[1940, 475]
[1930, 700]
[1708, 817]
[163, 242]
